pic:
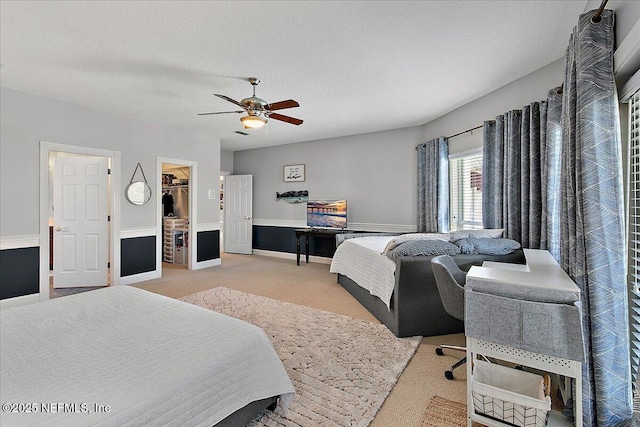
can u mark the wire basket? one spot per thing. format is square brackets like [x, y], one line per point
[509, 395]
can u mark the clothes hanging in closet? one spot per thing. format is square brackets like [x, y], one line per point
[167, 203]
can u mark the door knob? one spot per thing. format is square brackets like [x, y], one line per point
[58, 228]
[247, 218]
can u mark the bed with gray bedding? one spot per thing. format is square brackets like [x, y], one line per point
[123, 356]
[413, 306]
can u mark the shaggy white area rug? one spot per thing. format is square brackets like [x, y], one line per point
[342, 368]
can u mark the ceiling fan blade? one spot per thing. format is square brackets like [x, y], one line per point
[226, 98]
[221, 112]
[284, 118]
[281, 105]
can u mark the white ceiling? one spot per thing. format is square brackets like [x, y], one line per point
[354, 66]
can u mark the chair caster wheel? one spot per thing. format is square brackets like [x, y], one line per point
[439, 351]
[449, 375]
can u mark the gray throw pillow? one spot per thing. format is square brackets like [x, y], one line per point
[465, 246]
[487, 246]
[423, 248]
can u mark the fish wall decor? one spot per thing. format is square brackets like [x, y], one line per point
[293, 196]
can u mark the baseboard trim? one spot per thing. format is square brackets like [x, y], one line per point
[207, 264]
[208, 226]
[18, 301]
[382, 228]
[287, 255]
[140, 277]
[355, 226]
[279, 223]
[19, 242]
[133, 233]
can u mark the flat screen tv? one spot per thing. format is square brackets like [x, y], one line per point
[327, 213]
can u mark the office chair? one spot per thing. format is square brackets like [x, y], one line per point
[450, 281]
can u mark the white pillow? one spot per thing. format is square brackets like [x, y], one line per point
[398, 240]
[492, 233]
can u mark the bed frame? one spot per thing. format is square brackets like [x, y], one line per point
[244, 416]
[416, 308]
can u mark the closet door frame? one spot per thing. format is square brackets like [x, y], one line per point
[193, 210]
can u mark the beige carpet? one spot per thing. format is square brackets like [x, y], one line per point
[313, 286]
[342, 368]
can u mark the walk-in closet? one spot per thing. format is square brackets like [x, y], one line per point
[175, 215]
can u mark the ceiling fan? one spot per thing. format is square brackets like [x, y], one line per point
[258, 110]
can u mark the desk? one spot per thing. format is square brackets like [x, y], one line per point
[540, 275]
[321, 233]
[540, 278]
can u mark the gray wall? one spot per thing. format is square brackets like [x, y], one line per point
[627, 15]
[376, 172]
[515, 95]
[226, 162]
[28, 119]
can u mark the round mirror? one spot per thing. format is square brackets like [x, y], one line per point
[138, 193]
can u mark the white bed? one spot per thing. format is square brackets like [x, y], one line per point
[151, 359]
[361, 260]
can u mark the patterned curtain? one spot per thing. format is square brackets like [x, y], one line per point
[492, 170]
[592, 244]
[433, 186]
[514, 157]
[550, 177]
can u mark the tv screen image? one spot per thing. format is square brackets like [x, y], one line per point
[327, 213]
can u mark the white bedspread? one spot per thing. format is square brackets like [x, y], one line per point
[360, 260]
[149, 358]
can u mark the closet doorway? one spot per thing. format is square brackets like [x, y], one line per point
[176, 214]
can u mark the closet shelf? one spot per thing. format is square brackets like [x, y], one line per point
[176, 240]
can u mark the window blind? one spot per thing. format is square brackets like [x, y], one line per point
[465, 205]
[634, 231]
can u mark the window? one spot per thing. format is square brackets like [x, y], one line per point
[634, 230]
[466, 191]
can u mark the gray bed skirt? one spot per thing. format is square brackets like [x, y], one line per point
[416, 308]
[245, 415]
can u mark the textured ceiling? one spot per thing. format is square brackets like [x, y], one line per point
[354, 66]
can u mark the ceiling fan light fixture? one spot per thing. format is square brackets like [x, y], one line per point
[253, 122]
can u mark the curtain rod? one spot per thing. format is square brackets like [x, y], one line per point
[465, 131]
[597, 17]
[458, 134]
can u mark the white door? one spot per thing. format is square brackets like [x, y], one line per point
[238, 214]
[80, 223]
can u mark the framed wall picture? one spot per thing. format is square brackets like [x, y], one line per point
[294, 173]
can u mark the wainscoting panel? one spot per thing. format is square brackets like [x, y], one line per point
[283, 239]
[271, 238]
[19, 272]
[208, 245]
[138, 255]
